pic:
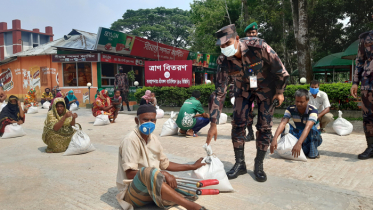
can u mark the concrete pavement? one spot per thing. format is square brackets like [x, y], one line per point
[33, 179]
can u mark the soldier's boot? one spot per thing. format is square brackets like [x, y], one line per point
[250, 136]
[368, 153]
[259, 173]
[121, 108]
[239, 167]
[128, 107]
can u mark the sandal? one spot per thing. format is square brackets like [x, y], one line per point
[194, 136]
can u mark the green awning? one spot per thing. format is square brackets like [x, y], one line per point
[320, 71]
[333, 61]
[351, 51]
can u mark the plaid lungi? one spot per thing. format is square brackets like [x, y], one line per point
[313, 140]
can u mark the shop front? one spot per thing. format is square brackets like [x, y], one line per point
[204, 67]
[77, 71]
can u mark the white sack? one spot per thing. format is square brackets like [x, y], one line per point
[233, 100]
[73, 107]
[13, 130]
[170, 127]
[32, 110]
[160, 113]
[223, 118]
[102, 119]
[214, 169]
[46, 105]
[80, 143]
[286, 144]
[341, 126]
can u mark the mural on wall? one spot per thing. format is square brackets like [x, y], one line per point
[26, 79]
[86, 97]
[35, 73]
[6, 77]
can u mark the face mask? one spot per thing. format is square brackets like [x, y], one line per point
[230, 50]
[314, 91]
[147, 128]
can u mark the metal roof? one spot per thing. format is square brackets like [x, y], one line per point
[351, 51]
[78, 40]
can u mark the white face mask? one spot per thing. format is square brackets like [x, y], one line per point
[230, 50]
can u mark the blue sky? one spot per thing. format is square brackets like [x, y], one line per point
[86, 15]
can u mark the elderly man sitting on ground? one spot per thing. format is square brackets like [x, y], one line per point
[141, 177]
[305, 118]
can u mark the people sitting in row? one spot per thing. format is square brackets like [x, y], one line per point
[320, 100]
[117, 103]
[305, 119]
[11, 113]
[30, 100]
[103, 105]
[46, 96]
[142, 178]
[192, 117]
[58, 131]
[72, 99]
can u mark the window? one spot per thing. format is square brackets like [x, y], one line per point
[77, 74]
[108, 72]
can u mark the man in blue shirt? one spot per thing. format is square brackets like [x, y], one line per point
[305, 119]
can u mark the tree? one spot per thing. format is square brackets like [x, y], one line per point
[168, 26]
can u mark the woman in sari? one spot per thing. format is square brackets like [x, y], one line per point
[103, 104]
[58, 129]
[147, 98]
[30, 99]
[11, 113]
[72, 98]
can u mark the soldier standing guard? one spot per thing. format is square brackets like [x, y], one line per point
[259, 75]
[121, 83]
[364, 74]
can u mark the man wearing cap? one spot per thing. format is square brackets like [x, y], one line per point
[141, 177]
[252, 30]
[363, 76]
[259, 75]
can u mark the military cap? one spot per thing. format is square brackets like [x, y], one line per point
[225, 33]
[252, 26]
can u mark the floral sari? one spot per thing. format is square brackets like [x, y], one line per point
[57, 141]
[30, 98]
[103, 101]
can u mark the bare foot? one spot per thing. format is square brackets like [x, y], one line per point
[112, 121]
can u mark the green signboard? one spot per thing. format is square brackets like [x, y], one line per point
[132, 92]
[114, 41]
[212, 62]
[110, 91]
[204, 60]
[197, 58]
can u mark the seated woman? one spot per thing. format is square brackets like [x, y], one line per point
[147, 98]
[58, 129]
[103, 104]
[30, 99]
[46, 96]
[59, 95]
[11, 113]
[72, 99]
[98, 92]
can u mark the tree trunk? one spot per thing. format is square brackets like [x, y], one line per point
[304, 57]
[245, 12]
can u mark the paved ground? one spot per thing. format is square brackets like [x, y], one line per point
[33, 179]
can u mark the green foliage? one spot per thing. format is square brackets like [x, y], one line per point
[338, 93]
[131, 76]
[168, 26]
[175, 96]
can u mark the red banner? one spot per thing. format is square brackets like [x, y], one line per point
[168, 73]
[153, 50]
[121, 60]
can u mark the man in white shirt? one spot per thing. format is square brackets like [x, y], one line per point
[321, 101]
[142, 163]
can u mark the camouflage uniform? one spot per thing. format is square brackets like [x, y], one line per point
[122, 84]
[364, 74]
[259, 59]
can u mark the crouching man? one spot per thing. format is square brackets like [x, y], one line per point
[141, 178]
[305, 118]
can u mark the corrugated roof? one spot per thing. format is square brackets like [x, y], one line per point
[44, 49]
[78, 40]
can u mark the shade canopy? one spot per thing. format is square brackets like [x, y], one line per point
[333, 61]
[351, 51]
[320, 71]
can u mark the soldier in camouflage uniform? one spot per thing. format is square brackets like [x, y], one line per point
[246, 61]
[364, 74]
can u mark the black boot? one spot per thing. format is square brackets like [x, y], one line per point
[259, 173]
[368, 153]
[121, 108]
[128, 107]
[250, 136]
[239, 167]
